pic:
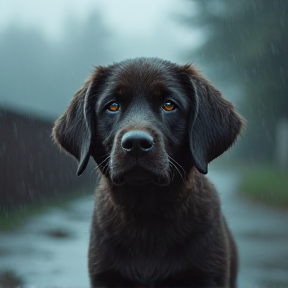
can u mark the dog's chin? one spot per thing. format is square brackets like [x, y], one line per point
[138, 176]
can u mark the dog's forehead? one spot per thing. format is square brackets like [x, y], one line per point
[143, 72]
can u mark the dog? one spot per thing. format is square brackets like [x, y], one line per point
[152, 127]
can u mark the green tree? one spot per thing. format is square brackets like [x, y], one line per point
[247, 42]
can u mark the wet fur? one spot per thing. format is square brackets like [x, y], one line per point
[157, 219]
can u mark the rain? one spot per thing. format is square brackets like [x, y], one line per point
[49, 48]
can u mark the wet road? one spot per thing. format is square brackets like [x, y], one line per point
[51, 250]
[261, 233]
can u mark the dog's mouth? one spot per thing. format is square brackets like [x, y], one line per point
[138, 175]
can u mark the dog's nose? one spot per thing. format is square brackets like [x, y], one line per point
[137, 143]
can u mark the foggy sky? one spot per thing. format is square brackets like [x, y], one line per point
[132, 29]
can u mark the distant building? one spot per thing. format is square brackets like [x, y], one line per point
[32, 168]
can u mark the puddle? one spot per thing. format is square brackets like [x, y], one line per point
[59, 233]
[53, 247]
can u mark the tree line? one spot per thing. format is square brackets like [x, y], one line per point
[246, 44]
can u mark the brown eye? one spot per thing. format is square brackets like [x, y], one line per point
[113, 107]
[169, 106]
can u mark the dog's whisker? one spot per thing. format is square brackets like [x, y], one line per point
[176, 163]
[93, 170]
[107, 158]
[177, 170]
[97, 166]
[105, 155]
[171, 171]
[180, 166]
[106, 167]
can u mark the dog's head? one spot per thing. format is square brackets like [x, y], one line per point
[141, 119]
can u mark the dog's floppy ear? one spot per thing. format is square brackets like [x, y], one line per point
[214, 124]
[73, 130]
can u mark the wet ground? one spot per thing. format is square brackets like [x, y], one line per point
[51, 250]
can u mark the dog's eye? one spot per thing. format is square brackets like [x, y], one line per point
[113, 107]
[168, 106]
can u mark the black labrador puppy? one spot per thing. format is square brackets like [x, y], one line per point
[152, 127]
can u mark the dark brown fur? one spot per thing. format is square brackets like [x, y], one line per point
[157, 220]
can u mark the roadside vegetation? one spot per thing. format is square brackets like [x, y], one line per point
[12, 219]
[9, 279]
[266, 184]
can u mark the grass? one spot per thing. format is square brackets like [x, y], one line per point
[12, 219]
[266, 184]
[9, 279]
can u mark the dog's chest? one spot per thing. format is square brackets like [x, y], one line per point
[140, 250]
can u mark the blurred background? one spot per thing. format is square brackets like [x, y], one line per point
[47, 50]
